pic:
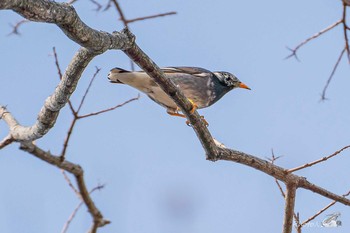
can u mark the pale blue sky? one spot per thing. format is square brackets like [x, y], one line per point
[149, 160]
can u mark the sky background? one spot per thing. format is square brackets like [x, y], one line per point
[157, 179]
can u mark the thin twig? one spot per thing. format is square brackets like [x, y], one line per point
[297, 223]
[273, 159]
[66, 140]
[319, 160]
[71, 217]
[57, 63]
[74, 169]
[109, 109]
[120, 11]
[321, 211]
[75, 211]
[345, 29]
[294, 51]
[150, 17]
[97, 4]
[88, 88]
[71, 184]
[323, 96]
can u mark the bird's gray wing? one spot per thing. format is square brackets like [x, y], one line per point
[195, 71]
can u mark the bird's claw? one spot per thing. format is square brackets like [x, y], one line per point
[203, 120]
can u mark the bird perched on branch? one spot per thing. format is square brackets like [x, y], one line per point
[200, 86]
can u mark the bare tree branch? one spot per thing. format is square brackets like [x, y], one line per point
[323, 96]
[345, 29]
[94, 43]
[319, 160]
[120, 11]
[88, 89]
[346, 46]
[289, 208]
[60, 76]
[75, 211]
[66, 18]
[150, 17]
[143, 61]
[71, 217]
[109, 109]
[276, 172]
[297, 222]
[295, 50]
[74, 169]
[54, 103]
[68, 136]
[321, 211]
[71, 184]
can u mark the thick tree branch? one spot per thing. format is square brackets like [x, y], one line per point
[289, 208]
[54, 103]
[66, 18]
[94, 43]
[144, 62]
[277, 172]
[59, 71]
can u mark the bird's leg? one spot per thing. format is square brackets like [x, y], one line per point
[175, 113]
[194, 106]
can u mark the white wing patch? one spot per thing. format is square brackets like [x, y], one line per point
[142, 82]
[138, 80]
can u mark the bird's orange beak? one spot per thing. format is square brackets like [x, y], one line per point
[242, 85]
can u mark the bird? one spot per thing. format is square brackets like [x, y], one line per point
[200, 86]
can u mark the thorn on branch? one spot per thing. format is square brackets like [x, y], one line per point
[273, 157]
[15, 28]
[98, 5]
[293, 54]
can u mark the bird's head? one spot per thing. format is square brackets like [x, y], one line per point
[229, 80]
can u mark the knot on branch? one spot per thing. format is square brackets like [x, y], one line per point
[131, 38]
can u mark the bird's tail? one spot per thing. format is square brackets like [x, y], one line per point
[113, 74]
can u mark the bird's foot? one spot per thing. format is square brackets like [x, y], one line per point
[194, 106]
[176, 113]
